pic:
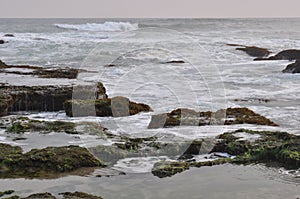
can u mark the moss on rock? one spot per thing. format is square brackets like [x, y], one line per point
[280, 147]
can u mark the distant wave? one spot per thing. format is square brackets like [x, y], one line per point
[101, 27]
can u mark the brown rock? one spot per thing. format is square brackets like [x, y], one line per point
[255, 51]
[291, 54]
[187, 117]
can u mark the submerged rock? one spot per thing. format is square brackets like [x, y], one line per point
[24, 124]
[167, 169]
[7, 192]
[255, 51]
[278, 147]
[69, 73]
[14, 163]
[46, 195]
[293, 68]
[116, 107]
[291, 54]
[9, 35]
[187, 117]
[41, 196]
[175, 62]
[78, 195]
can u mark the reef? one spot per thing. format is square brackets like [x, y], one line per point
[188, 117]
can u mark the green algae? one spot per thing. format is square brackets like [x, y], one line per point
[14, 163]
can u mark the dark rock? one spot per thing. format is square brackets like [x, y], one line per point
[175, 62]
[116, 107]
[41, 196]
[255, 51]
[78, 195]
[66, 195]
[6, 101]
[9, 35]
[291, 54]
[43, 98]
[37, 98]
[293, 68]
[109, 65]
[69, 73]
[253, 99]
[7, 192]
[188, 117]
[2, 41]
[194, 148]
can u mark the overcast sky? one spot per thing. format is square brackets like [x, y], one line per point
[149, 8]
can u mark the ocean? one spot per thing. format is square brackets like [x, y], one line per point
[214, 76]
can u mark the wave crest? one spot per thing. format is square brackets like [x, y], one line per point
[100, 27]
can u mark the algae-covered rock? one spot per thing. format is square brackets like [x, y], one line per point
[187, 117]
[41, 196]
[50, 159]
[268, 147]
[79, 195]
[24, 124]
[279, 147]
[167, 168]
[116, 107]
[65, 195]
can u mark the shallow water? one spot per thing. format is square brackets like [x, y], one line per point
[226, 181]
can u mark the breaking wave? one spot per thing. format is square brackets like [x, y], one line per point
[100, 27]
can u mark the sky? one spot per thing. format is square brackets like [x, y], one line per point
[148, 8]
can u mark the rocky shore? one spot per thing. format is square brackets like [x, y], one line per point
[262, 53]
[242, 146]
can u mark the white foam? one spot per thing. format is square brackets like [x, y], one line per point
[101, 27]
